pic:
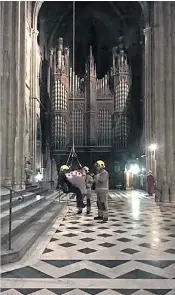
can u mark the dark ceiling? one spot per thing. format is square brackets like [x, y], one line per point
[99, 24]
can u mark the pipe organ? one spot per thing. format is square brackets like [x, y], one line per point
[122, 79]
[99, 116]
[60, 96]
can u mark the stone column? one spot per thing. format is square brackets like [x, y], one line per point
[19, 175]
[33, 97]
[162, 193]
[171, 12]
[168, 91]
[2, 101]
[147, 94]
[22, 96]
[7, 92]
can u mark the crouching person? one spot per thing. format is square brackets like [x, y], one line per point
[101, 180]
[69, 184]
[77, 180]
[89, 183]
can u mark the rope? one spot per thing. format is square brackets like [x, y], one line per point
[73, 86]
[72, 153]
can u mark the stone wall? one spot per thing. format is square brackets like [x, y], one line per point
[20, 58]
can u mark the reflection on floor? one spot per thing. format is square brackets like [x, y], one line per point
[134, 253]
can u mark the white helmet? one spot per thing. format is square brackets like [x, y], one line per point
[86, 169]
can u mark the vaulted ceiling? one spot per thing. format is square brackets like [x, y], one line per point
[99, 24]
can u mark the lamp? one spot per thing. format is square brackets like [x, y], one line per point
[153, 147]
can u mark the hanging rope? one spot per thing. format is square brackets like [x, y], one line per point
[73, 74]
[72, 153]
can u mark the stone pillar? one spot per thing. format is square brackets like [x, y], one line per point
[172, 189]
[169, 97]
[7, 93]
[2, 101]
[168, 90]
[33, 124]
[147, 96]
[22, 126]
[162, 193]
[19, 175]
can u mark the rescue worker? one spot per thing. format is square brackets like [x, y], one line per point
[89, 182]
[101, 180]
[65, 182]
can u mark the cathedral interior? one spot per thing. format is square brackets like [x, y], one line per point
[99, 89]
[97, 77]
[107, 116]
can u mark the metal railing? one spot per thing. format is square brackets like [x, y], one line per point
[10, 207]
[10, 211]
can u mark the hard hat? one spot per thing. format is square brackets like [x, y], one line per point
[64, 168]
[100, 163]
[86, 169]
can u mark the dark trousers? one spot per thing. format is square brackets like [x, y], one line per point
[88, 197]
[79, 196]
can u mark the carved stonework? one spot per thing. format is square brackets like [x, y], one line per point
[77, 105]
[105, 105]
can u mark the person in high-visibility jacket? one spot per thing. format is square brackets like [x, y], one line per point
[101, 180]
[69, 182]
[89, 183]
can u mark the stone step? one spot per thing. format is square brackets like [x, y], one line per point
[4, 204]
[23, 218]
[22, 207]
[5, 194]
[31, 187]
[23, 241]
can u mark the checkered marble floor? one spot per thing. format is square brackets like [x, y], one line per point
[132, 254]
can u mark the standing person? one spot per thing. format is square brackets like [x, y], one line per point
[150, 183]
[89, 182]
[101, 180]
[69, 184]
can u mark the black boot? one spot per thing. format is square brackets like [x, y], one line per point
[79, 211]
[98, 218]
[88, 206]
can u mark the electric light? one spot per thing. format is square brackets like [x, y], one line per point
[153, 147]
[134, 169]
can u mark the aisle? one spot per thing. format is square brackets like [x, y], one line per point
[134, 253]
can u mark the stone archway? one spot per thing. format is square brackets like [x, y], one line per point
[149, 126]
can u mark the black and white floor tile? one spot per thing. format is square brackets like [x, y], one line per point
[134, 253]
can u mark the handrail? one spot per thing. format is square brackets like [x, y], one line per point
[11, 189]
[10, 210]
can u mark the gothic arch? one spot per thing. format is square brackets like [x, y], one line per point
[38, 4]
[144, 7]
[36, 10]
